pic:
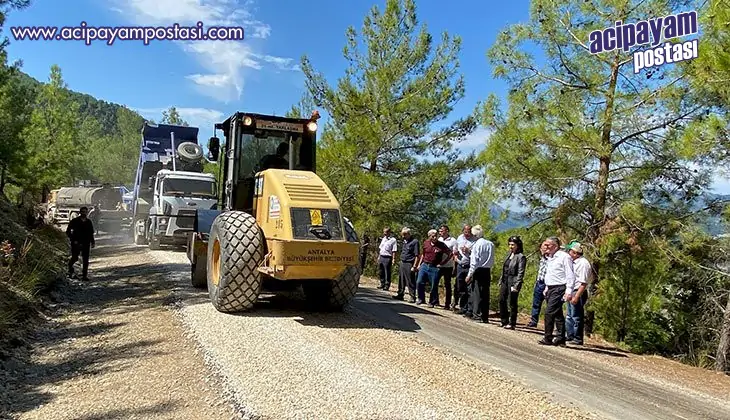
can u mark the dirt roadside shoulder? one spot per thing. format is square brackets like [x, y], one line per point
[115, 351]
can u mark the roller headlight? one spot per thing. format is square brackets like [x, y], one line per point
[312, 126]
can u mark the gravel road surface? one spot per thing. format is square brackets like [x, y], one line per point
[139, 342]
[115, 351]
[388, 352]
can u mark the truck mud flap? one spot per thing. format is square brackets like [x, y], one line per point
[204, 220]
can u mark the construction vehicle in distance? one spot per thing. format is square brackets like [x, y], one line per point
[278, 226]
[65, 203]
[170, 185]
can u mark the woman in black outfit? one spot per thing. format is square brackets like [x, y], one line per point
[510, 283]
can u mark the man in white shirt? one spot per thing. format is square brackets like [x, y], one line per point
[448, 268]
[575, 321]
[559, 281]
[464, 243]
[480, 273]
[388, 251]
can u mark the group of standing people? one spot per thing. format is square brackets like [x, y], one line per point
[467, 260]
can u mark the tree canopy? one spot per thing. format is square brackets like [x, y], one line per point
[381, 152]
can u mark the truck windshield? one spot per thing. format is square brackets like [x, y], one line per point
[188, 187]
[268, 149]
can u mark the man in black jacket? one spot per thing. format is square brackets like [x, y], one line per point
[81, 233]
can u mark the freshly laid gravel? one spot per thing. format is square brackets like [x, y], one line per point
[281, 363]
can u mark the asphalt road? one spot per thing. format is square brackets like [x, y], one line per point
[563, 372]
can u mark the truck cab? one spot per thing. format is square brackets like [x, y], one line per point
[176, 197]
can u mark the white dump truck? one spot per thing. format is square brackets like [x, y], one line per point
[170, 186]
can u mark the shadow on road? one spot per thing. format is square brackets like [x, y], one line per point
[143, 412]
[294, 305]
[111, 289]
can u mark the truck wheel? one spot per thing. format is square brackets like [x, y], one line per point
[335, 295]
[154, 241]
[198, 274]
[138, 239]
[235, 251]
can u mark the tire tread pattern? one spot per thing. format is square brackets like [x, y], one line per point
[242, 251]
[344, 289]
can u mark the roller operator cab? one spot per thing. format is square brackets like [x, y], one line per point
[279, 226]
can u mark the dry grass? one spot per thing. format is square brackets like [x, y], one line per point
[31, 261]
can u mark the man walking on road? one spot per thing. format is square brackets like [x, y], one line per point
[559, 281]
[480, 274]
[574, 322]
[388, 252]
[80, 231]
[538, 293]
[464, 243]
[407, 272]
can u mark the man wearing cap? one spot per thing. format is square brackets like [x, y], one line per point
[559, 281]
[575, 321]
[407, 272]
[388, 250]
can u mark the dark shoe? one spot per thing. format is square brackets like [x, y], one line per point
[467, 314]
[398, 297]
[559, 342]
[419, 302]
[576, 342]
[545, 342]
[85, 279]
[532, 325]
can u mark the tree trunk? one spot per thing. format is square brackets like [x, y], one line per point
[722, 358]
[599, 209]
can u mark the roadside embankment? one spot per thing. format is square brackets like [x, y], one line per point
[31, 274]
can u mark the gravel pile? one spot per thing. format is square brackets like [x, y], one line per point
[282, 364]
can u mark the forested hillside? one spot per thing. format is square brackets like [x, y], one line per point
[68, 136]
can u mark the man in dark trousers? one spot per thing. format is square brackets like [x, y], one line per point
[479, 276]
[81, 233]
[559, 285]
[388, 251]
[407, 272]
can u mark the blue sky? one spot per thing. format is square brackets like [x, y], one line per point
[210, 80]
[151, 78]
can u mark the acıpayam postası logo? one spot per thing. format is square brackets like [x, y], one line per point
[652, 31]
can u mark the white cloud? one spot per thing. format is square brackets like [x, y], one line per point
[476, 140]
[203, 118]
[224, 61]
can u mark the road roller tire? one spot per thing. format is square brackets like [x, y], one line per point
[235, 251]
